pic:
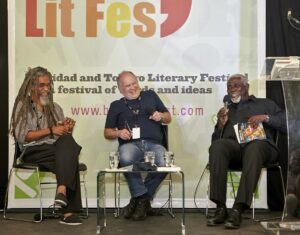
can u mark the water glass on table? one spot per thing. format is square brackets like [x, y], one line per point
[149, 156]
[169, 159]
[113, 160]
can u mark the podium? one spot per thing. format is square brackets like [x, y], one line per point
[282, 76]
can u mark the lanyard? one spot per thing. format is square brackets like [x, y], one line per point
[38, 118]
[134, 110]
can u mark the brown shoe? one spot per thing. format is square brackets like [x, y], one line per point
[129, 209]
[142, 207]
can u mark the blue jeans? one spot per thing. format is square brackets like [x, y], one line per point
[134, 152]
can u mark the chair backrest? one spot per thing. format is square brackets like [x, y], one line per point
[18, 162]
[17, 153]
[164, 129]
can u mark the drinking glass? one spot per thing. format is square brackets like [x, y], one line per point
[169, 159]
[149, 156]
[113, 160]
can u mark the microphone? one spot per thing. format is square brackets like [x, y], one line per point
[227, 101]
[291, 18]
[149, 110]
[289, 14]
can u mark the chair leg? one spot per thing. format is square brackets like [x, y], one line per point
[41, 196]
[86, 198]
[232, 184]
[207, 197]
[284, 208]
[207, 192]
[117, 195]
[7, 194]
[253, 206]
[170, 199]
[284, 194]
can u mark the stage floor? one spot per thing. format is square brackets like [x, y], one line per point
[158, 225]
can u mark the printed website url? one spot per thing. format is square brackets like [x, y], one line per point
[102, 111]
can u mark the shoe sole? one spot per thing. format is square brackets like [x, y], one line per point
[211, 224]
[139, 219]
[127, 216]
[214, 224]
[231, 226]
[72, 224]
[60, 202]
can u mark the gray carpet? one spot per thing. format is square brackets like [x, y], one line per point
[158, 225]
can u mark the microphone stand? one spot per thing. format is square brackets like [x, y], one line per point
[292, 19]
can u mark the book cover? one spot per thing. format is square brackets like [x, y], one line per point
[246, 133]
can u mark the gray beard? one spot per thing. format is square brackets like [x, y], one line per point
[236, 99]
[44, 100]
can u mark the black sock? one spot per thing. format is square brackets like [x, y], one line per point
[145, 196]
[220, 204]
[241, 207]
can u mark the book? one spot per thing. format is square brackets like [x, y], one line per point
[246, 133]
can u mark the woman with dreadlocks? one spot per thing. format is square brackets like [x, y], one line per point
[44, 136]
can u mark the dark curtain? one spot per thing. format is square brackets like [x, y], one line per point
[281, 40]
[4, 100]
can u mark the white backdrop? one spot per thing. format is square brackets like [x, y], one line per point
[183, 49]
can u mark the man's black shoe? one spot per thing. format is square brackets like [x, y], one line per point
[37, 216]
[61, 199]
[291, 202]
[152, 212]
[219, 217]
[129, 209]
[71, 220]
[234, 220]
[142, 207]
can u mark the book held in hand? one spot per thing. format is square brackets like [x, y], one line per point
[246, 133]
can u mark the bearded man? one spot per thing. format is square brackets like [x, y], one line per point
[44, 136]
[226, 152]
